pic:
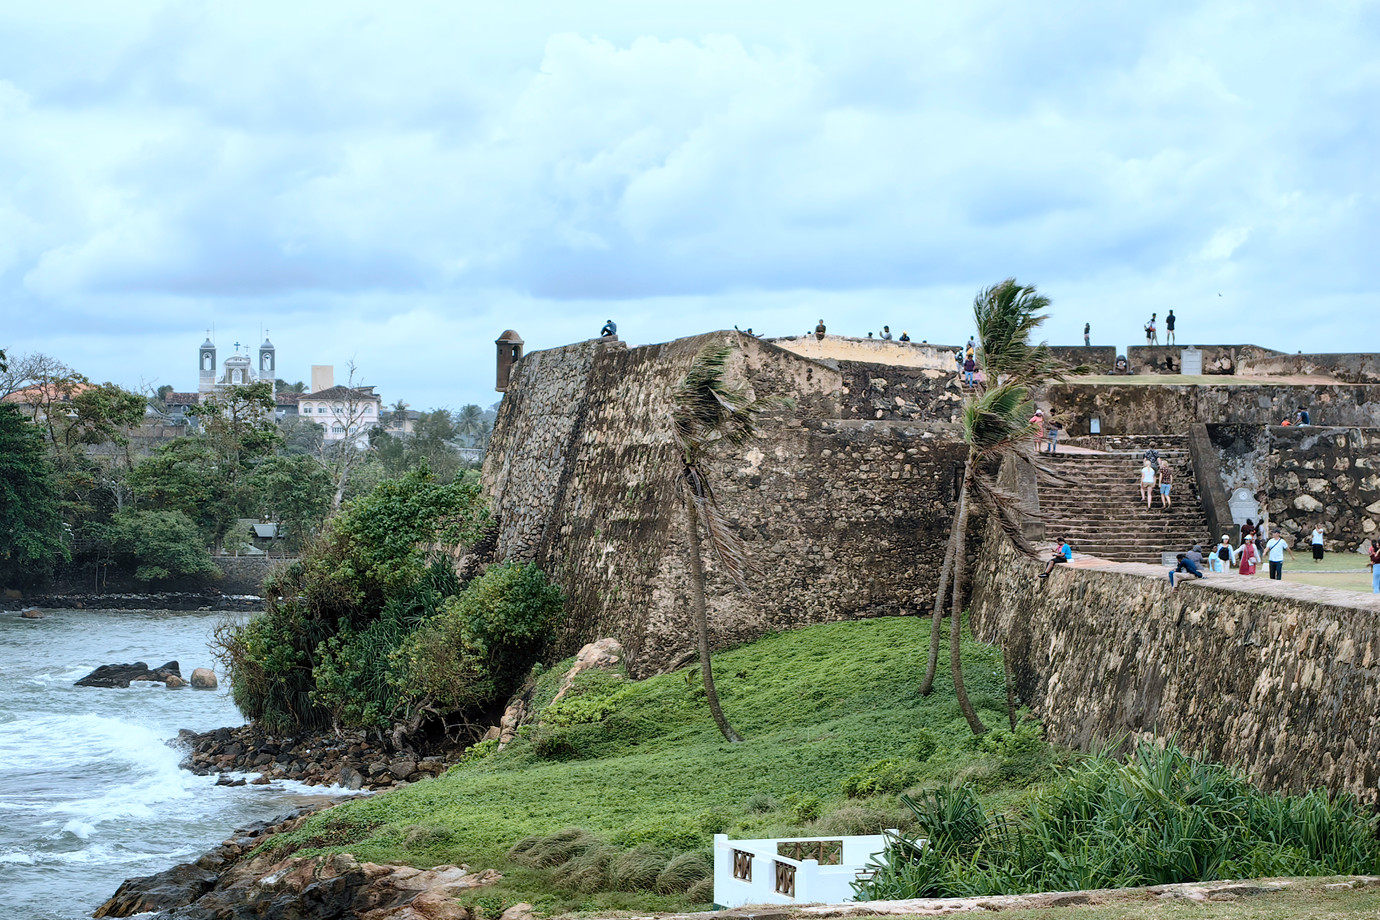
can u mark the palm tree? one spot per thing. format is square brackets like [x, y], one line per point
[707, 409]
[469, 421]
[996, 424]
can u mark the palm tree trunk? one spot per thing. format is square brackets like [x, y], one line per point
[937, 618]
[692, 542]
[1010, 687]
[956, 609]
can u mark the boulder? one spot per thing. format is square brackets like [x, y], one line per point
[173, 682]
[120, 675]
[203, 679]
[601, 655]
[171, 888]
[32, 613]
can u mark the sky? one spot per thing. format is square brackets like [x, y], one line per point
[397, 184]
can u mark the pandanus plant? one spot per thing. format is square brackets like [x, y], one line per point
[996, 424]
[708, 410]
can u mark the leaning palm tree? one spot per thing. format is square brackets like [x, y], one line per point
[706, 410]
[996, 424]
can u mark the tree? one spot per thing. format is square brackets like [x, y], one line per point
[282, 386]
[341, 457]
[294, 491]
[31, 534]
[159, 544]
[302, 436]
[706, 410]
[996, 424]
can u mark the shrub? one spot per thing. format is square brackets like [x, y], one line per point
[682, 872]
[759, 803]
[1159, 818]
[637, 869]
[482, 643]
[544, 851]
[160, 545]
[883, 776]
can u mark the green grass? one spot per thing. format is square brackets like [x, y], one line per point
[641, 764]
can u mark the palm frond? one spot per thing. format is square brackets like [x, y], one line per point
[1007, 315]
[998, 419]
[727, 546]
[1005, 504]
[706, 407]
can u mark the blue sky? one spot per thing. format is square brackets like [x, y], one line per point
[397, 184]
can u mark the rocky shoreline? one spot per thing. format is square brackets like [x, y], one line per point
[350, 760]
[173, 600]
[234, 881]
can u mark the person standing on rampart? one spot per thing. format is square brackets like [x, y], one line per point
[1087, 333]
[1375, 566]
[1274, 551]
[1169, 328]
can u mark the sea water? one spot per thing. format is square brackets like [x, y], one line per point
[90, 790]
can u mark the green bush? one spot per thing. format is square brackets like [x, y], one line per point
[482, 643]
[883, 776]
[1159, 818]
[160, 545]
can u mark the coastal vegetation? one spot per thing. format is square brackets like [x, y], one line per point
[608, 798]
[372, 628]
[100, 478]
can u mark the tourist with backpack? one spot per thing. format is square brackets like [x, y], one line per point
[1221, 556]
[1147, 482]
[1274, 552]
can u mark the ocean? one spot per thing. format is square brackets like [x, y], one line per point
[90, 790]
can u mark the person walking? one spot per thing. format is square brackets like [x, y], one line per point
[1221, 555]
[969, 367]
[1166, 483]
[1037, 421]
[1147, 482]
[1274, 552]
[1316, 540]
[1087, 333]
[1248, 555]
[1054, 429]
[1169, 328]
[1247, 530]
[1375, 566]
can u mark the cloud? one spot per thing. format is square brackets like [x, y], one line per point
[342, 172]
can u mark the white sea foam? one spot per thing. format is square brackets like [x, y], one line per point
[78, 828]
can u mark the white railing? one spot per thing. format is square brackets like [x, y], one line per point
[753, 871]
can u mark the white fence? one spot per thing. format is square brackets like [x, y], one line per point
[794, 870]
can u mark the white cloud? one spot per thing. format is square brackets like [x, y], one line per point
[396, 182]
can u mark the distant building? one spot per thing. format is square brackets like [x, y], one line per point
[343, 411]
[238, 369]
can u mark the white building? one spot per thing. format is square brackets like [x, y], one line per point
[343, 411]
[238, 369]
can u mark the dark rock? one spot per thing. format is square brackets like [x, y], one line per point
[402, 769]
[120, 675]
[175, 887]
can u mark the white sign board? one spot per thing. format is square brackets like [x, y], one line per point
[1190, 361]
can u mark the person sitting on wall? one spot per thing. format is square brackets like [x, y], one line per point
[819, 331]
[886, 333]
[1302, 417]
[610, 329]
[1062, 553]
[905, 336]
[1185, 565]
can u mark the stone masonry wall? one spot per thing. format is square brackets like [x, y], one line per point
[841, 518]
[1144, 409]
[1278, 678]
[882, 392]
[1329, 476]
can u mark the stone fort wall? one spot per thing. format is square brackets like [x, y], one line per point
[842, 518]
[1280, 679]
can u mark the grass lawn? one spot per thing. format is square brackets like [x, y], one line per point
[1349, 571]
[641, 764]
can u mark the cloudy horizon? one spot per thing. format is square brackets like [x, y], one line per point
[395, 187]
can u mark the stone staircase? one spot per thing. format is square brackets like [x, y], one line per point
[1100, 512]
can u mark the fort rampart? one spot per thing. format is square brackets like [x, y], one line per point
[842, 518]
[1278, 678]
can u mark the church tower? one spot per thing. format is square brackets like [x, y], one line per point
[207, 382]
[268, 361]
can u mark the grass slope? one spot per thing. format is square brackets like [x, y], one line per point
[642, 763]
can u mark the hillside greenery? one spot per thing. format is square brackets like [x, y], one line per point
[610, 799]
[372, 627]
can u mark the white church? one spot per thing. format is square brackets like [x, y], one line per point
[238, 369]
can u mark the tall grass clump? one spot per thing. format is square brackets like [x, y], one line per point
[1160, 817]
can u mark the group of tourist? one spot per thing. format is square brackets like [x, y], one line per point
[1155, 472]
[884, 335]
[1152, 335]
